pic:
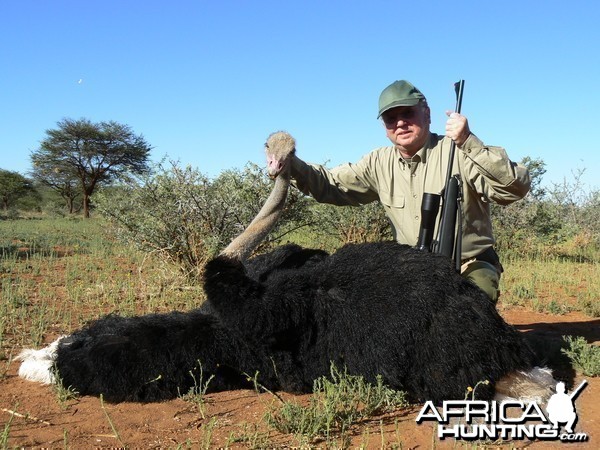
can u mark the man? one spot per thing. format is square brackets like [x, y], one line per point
[560, 408]
[417, 163]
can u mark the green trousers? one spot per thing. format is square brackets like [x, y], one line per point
[485, 275]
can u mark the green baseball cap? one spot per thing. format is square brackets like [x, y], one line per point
[399, 93]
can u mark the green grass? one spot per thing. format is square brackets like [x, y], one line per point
[553, 284]
[6, 432]
[57, 274]
[114, 429]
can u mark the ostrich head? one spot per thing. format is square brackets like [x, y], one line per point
[280, 148]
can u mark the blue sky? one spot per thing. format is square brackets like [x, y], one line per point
[205, 82]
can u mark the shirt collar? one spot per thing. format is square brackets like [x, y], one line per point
[421, 155]
[424, 152]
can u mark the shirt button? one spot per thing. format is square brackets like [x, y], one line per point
[416, 217]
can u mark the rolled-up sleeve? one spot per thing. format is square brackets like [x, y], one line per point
[492, 174]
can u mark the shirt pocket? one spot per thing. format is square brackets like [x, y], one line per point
[392, 201]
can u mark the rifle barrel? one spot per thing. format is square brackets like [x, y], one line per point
[446, 243]
[459, 87]
[576, 392]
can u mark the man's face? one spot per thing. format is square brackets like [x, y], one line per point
[407, 127]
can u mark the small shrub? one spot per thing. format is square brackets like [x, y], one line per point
[553, 307]
[64, 394]
[186, 217]
[196, 394]
[337, 403]
[250, 436]
[523, 292]
[584, 357]
[351, 225]
[590, 307]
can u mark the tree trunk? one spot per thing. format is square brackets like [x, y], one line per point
[86, 205]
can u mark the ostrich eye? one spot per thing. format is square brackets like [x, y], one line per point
[266, 145]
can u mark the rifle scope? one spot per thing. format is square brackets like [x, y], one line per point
[430, 207]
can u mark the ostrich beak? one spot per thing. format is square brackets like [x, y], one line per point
[274, 166]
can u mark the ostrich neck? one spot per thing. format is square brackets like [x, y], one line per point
[243, 245]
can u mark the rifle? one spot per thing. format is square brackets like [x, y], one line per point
[577, 391]
[449, 239]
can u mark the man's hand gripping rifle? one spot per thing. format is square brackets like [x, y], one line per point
[449, 238]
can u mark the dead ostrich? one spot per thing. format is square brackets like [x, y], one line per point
[376, 309]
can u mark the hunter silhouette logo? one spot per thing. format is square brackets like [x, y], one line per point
[507, 420]
[561, 406]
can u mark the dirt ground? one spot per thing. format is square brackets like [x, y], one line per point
[233, 419]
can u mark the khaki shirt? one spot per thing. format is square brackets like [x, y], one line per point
[486, 174]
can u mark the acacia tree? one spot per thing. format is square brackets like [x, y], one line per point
[13, 186]
[61, 180]
[92, 153]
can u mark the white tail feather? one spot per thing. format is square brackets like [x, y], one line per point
[536, 384]
[37, 364]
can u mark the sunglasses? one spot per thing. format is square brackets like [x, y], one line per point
[391, 118]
